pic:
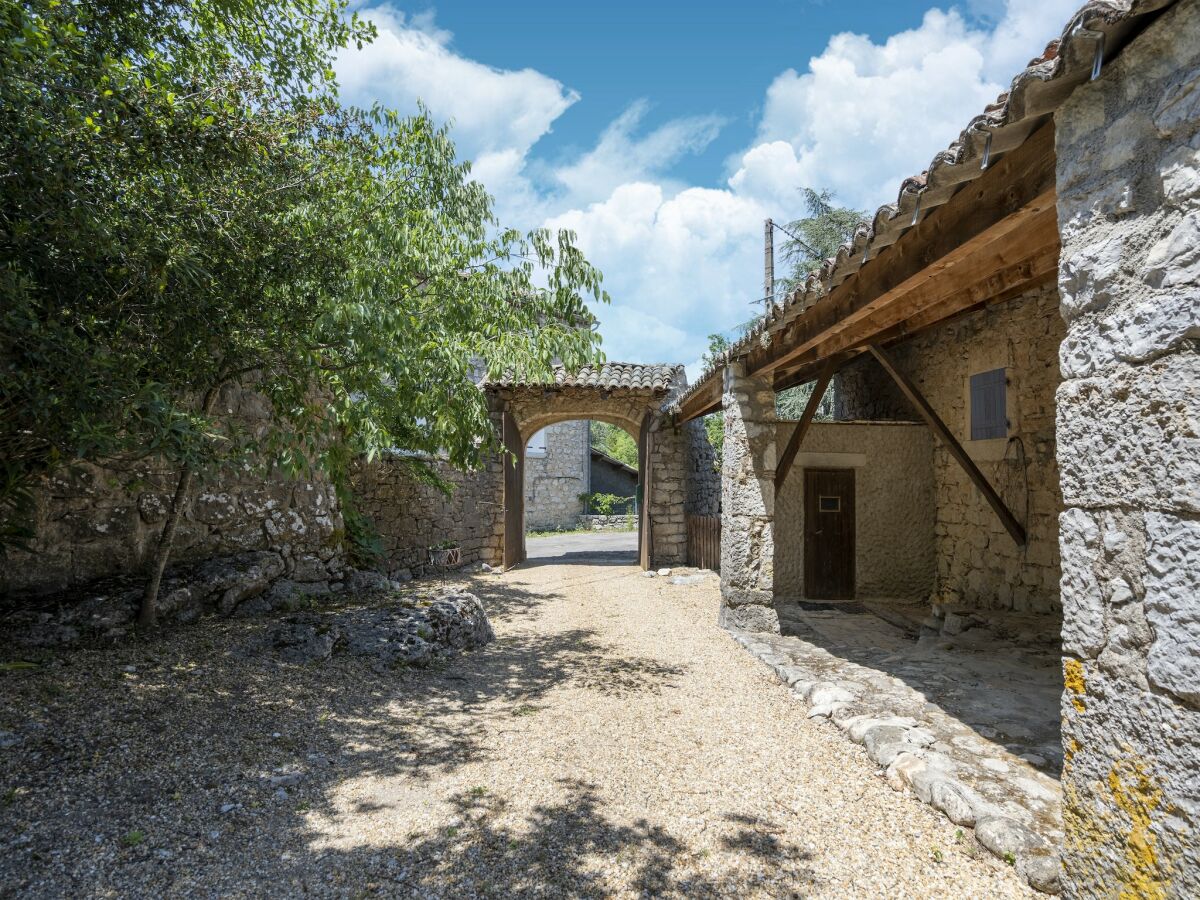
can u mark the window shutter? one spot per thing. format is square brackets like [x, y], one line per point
[989, 418]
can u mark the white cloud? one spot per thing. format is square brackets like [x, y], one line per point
[494, 110]
[683, 261]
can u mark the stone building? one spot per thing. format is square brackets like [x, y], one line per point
[1033, 299]
[557, 472]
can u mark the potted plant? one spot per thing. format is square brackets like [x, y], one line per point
[445, 554]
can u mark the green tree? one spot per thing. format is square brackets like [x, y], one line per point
[185, 206]
[614, 441]
[817, 236]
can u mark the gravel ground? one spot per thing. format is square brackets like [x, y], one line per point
[612, 742]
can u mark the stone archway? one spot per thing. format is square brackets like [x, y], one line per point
[627, 395]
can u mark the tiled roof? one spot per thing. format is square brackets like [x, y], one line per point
[1037, 91]
[609, 376]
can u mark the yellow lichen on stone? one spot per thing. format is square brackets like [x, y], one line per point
[1136, 794]
[1075, 682]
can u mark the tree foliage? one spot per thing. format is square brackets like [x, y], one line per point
[185, 205]
[817, 236]
[614, 441]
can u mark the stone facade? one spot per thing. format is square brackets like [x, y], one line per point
[748, 503]
[977, 563]
[894, 509]
[1128, 158]
[555, 479]
[93, 523]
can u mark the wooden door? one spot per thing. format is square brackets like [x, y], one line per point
[514, 493]
[645, 445]
[829, 534]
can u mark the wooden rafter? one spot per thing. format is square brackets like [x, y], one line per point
[1015, 529]
[810, 412]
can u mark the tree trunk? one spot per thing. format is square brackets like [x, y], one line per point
[148, 611]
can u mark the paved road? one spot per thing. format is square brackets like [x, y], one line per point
[605, 545]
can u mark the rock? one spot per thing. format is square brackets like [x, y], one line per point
[300, 642]
[227, 808]
[950, 797]
[825, 692]
[903, 769]
[664, 572]
[1041, 870]
[364, 581]
[9, 740]
[1003, 835]
[410, 631]
[287, 779]
[953, 624]
[281, 794]
[689, 579]
[648, 574]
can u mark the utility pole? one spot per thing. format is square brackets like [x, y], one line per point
[768, 264]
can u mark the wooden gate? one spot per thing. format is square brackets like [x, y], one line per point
[704, 542]
[514, 493]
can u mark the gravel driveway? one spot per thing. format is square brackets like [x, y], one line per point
[612, 742]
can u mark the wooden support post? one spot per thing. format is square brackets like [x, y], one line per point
[938, 427]
[810, 411]
[768, 265]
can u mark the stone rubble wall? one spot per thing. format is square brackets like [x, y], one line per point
[1128, 158]
[554, 482]
[609, 523]
[410, 516]
[94, 523]
[703, 473]
[894, 509]
[977, 564]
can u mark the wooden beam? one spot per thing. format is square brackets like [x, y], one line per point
[979, 285]
[938, 427]
[1002, 200]
[810, 412]
[704, 401]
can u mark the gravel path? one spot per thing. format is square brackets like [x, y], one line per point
[612, 742]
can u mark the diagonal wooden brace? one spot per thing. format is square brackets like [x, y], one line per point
[793, 447]
[938, 427]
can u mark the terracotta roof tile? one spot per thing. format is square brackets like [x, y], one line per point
[608, 376]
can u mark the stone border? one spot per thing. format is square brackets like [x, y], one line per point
[619, 522]
[916, 754]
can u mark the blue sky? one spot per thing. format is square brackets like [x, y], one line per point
[663, 134]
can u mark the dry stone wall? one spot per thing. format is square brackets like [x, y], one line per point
[894, 510]
[411, 516]
[554, 481]
[703, 472]
[93, 523]
[977, 564]
[1128, 158]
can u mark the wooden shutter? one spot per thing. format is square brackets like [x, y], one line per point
[989, 417]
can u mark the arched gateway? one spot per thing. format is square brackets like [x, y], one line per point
[632, 397]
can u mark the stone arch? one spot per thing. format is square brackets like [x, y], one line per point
[628, 396]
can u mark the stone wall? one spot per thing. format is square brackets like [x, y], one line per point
[978, 563]
[703, 473]
[410, 516]
[1128, 157]
[626, 522]
[94, 523]
[893, 498]
[554, 481]
[748, 503]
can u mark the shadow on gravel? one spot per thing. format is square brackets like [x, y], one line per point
[584, 558]
[569, 849]
[189, 763]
